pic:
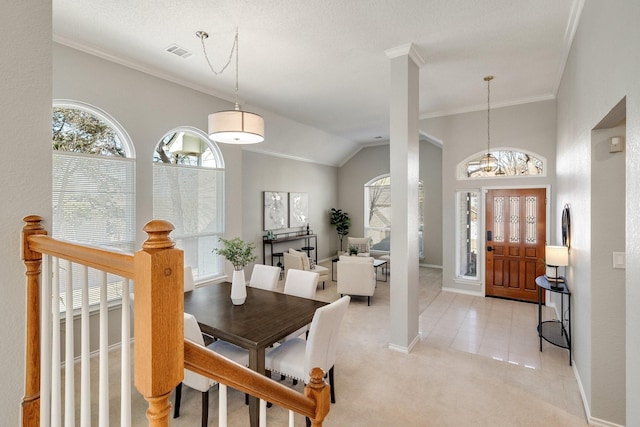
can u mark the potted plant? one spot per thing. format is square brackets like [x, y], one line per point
[353, 250]
[342, 222]
[239, 253]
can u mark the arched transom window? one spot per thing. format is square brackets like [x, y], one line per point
[505, 163]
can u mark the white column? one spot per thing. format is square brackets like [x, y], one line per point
[404, 167]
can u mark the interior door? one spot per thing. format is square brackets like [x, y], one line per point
[515, 240]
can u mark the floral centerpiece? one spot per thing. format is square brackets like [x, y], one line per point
[239, 253]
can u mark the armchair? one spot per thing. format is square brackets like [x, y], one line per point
[356, 276]
[362, 243]
[299, 261]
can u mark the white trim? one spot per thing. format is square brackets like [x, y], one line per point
[405, 350]
[408, 49]
[462, 291]
[569, 34]
[585, 403]
[431, 266]
[285, 156]
[483, 107]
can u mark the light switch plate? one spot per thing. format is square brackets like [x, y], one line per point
[619, 260]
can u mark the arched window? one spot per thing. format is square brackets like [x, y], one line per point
[93, 184]
[508, 162]
[377, 213]
[188, 191]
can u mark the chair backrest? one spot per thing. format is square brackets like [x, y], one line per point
[293, 260]
[189, 283]
[322, 343]
[301, 283]
[192, 332]
[362, 243]
[356, 276]
[265, 277]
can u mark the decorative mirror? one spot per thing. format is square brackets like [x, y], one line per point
[566, 226]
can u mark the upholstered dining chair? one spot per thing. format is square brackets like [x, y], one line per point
[301, 283]
[296, 357]
[264, 277]
[300, 261]
[199, 382]
[356, 276]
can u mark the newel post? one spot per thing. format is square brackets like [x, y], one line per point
[318, 390]
[158, 320]
[32, 261]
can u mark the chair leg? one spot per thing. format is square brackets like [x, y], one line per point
[332, 385]
[205, 408]
[368, 301]
[176, 403]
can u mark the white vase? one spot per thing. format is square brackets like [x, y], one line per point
[238, 288]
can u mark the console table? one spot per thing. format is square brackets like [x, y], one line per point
[556, 332]
[310, 243]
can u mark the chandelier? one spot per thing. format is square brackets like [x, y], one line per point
[232, 126]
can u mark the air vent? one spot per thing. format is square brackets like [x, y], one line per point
[180, 51]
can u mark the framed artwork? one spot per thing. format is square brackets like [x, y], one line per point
[298, 209]
[276, 213]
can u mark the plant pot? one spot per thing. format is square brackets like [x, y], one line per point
[238, 288]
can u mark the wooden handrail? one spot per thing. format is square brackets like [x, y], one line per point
[313, 405]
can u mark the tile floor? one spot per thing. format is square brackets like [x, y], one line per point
[500, 329]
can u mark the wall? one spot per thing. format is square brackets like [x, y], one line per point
[25, 120]
[601, 70]
[264, 172]
[371, 162]
[529, 127]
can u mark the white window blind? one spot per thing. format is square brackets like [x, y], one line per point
[94, 203]
[192, 199]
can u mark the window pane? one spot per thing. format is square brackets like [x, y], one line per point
[467, 244]
[191, 198]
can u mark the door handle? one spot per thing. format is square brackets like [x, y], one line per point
[489, 248]
[489, 235]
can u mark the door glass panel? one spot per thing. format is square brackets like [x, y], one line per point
[498, 219]
[531, 203]
[514, 219]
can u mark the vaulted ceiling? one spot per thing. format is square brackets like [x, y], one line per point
[323, 63]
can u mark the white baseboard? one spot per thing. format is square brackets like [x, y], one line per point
[585, 403]
[405, 350]
[463, 291]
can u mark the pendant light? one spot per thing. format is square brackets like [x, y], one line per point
[488, 162]
[233, 126]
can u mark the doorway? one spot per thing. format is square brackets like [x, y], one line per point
[515, 240]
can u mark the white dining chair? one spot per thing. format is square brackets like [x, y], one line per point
[296, 357]
[301, 283]
[199, 382]
[265, 277]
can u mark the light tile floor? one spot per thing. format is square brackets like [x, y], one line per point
[500, 329]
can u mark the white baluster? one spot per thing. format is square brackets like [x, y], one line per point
[69, 374]
[85, 361]
[103, 398]
[291, 418]
[45, 342]
[125, 361]
[56, 415]
[263, 413]
[222, 405]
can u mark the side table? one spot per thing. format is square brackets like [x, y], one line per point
[556, 332]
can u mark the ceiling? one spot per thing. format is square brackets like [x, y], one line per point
[323, 63]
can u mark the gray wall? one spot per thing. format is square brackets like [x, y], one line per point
[601, 70]
[25, 120]
[264, 172]
[530, 127]
[371, 162]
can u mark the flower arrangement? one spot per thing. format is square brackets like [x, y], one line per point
[353, 250]
[237, 252]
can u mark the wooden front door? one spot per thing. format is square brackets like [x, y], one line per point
[515, 241]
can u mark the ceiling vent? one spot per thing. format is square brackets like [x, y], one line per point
[180, 51]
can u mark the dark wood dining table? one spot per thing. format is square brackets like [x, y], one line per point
[265, 318]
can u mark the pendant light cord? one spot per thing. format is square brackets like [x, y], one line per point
[488, 79]
[203, 35]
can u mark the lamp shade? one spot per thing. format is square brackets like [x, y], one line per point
[557, 256]
[236, 127]
[186, 144]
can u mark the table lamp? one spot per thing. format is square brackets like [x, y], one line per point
[556, 256]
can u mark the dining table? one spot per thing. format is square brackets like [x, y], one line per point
[265, 318]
